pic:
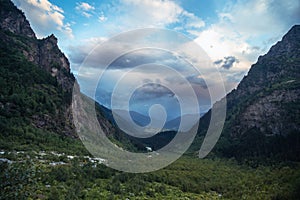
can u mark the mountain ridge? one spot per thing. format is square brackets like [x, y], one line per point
[263, 112]
[14, 20]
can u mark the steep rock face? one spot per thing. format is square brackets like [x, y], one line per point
[263, 112]
[14, 20]
[271, 86]
[36, 82]
[44, 53]
[270, 114]
[54, 61]
[19, 40]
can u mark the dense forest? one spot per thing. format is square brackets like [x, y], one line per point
[52, 175]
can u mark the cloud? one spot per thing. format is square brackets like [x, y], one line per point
[77, 53]
[45, 17]
[197, 79]
[155, 12]
[102, 17]
[84, 6]
[151, 91]
[189, 22]
[85, 9]
[244, 30]
[132, 14]
[253, 18]
[226, 62]
[192, 21]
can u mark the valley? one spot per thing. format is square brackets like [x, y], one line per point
[42, 156]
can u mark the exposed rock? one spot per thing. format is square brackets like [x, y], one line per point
[44, 53]
[271, 84]
[269, 115]
[17, 36]
[14, 20]
[53, 60]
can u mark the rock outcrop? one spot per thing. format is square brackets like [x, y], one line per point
[44, 53]
[14, 20]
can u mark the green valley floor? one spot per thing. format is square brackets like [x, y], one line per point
[54, 175]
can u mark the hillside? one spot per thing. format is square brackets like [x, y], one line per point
[263, 112]
[36, 86]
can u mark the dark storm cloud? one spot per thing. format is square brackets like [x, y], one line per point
[77, 54]
[129, 60]
[218, 62]
[194, 79]
[226, 62]
[198, 80]
[151, 91]
[139, 57]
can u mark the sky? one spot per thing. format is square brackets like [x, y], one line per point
[233, 33]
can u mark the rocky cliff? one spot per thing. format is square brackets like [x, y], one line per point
[44, 53]
[22, 52]
[14, 20]
[270, 90]
[263, 112]
[36, 87]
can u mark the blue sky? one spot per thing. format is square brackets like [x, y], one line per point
[232, 32]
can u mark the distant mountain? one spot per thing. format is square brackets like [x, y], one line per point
[263, 113]
[143, 120]
[174, 123]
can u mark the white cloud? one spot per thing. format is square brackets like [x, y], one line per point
[44, 17]
[79, 52]
[84, 6]
[192, 21]
[102, 17]
[218, 44]
[132, 14]
[88, 15]
[155, 12]
[246, 30]
[253, 18]
[85, 9]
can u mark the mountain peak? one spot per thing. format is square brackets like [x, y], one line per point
[294, 31]
[278, 63]
[52, 38]
[37, 73]
[14, 20]
[289, 45]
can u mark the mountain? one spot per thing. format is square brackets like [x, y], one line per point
[143, 120]
[35, 74]
[36, 88]
[174, 123]
[263, 113]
